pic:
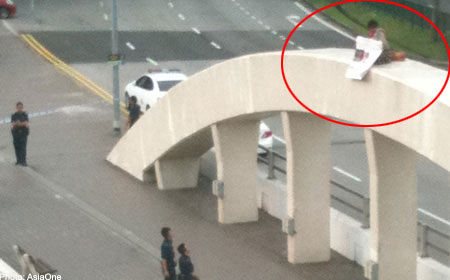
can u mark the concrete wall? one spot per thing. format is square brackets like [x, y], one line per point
[235, 144]
[393, 207]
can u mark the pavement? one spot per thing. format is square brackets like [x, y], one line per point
[91, 221]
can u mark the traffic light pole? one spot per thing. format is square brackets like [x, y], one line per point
[115, 51]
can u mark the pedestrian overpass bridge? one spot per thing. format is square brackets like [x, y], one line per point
[221, 107]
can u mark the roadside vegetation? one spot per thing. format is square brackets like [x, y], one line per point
[415, 39]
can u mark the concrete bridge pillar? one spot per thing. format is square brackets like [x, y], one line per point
[236, 155]
[308, 150]
[177, 173]
[393, 207]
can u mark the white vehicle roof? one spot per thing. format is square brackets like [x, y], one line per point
[166, 76]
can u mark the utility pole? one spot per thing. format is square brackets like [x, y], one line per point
[115, 54]
[435, 18]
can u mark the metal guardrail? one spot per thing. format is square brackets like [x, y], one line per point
[425, 242]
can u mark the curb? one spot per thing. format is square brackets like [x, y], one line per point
[68, 70]
[439, 64]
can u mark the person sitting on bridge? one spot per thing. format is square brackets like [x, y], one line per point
[185, 263]
[388, 55]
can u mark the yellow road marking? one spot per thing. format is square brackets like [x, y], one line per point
[80, 78]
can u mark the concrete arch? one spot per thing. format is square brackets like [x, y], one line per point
[253, 85]
[221, 107]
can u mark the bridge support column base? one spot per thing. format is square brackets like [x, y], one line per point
[308, 151]
[177, 173]
[393, 207]
[236, 156]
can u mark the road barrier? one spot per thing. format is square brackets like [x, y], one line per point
[432, 242]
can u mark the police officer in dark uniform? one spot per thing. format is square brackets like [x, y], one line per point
[134, 111]
[168, 255]
[185, 264]
[20, 131]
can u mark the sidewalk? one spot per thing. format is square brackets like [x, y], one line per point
[90, 220]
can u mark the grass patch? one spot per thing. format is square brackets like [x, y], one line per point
[402, 35]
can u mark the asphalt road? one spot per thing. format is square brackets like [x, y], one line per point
[195, 34]
[180, 34]
[86, 219]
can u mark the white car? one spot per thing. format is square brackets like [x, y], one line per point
[152, 86]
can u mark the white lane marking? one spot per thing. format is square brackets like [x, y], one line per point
[324, 22]
[233, 0]
[242, 8]
[293, 19]
[274, 32]
[170, 5]
[130, 46]
[151, 61]
[105, 16]
[181, 16]
[196, 30]
[434, 216]
[101, 4]
[260, 22]
[282, 37]
[253, 17]
[291, 43]
[300, 48]
[237, 4]
[215, 45]
[70, 110]
[345, 173]
[10, 28]
[267, 27]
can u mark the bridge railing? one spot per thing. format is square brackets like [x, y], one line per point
[432, 242]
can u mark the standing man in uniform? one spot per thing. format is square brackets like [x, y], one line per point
[20, 131]
[134, 111]
[168, 255]
[185, 264]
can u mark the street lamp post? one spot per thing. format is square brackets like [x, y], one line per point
[115, 53]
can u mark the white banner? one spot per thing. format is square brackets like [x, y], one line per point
[366, 53]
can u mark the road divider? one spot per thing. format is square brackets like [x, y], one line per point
[196, 30]
[149, 60]
[68, 70]
[215, 45]
[130, 46]
[324, 23]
